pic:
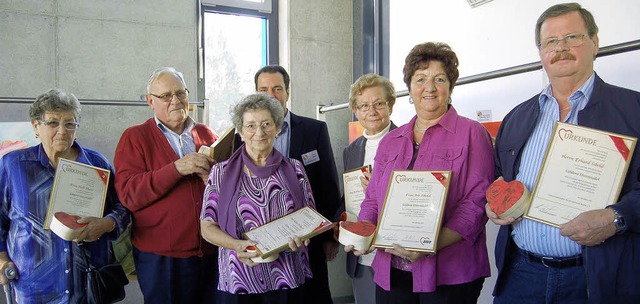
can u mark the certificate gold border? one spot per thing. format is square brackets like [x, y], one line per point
[309, 235]
[440, 212]
[52, 205]
[543, 167]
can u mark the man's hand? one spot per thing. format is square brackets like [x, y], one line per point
[590, 228]
[194, 163]
[499, 221]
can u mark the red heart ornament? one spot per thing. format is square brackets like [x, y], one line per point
[503, 196]
[359, 228]
[69, 220]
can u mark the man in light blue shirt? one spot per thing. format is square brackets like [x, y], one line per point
[589, 259]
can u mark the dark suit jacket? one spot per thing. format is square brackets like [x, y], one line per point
[353, 157]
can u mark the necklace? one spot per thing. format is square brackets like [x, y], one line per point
[415, 127]
[566, 108]
[255, 180]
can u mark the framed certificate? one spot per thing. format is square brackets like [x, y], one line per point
[273, 237]
[583, 170]
[412, 211]
[353, 192]
[78, 189]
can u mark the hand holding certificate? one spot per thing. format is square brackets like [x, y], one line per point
[78, 189]
[353, 192]
[412, 211]
[583, 170]
[273, 237]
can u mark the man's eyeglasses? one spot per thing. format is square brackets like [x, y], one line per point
[378, 105]
[167, 97]
[571, 40]
[265, 127]
[54, 125]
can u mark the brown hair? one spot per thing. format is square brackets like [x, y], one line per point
[423, 53]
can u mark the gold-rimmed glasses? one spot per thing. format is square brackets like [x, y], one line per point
[168, 96]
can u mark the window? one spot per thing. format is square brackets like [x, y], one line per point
[236, 43]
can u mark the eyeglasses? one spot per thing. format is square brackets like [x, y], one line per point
[378, 105]
[265, 127]
[571, 40]
[167, 97]
[54, 125]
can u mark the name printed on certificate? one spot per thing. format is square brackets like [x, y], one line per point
[583, 170]
[353, 191]
[273, 237]
[412, 212]
[78, 189]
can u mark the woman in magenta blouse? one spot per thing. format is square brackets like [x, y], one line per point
[437, 138]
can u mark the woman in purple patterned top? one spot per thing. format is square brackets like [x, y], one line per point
[255, 186]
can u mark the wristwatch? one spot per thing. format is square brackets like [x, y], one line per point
[618, 220]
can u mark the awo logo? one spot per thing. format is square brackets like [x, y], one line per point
[425, 240]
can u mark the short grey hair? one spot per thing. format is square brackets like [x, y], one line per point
[162, 71]
[52, 101]
[565, 8]
[258, 101]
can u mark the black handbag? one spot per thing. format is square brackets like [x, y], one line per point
[106, 284]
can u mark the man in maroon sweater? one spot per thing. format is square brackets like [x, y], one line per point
[160, 179]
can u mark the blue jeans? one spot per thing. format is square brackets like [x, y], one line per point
[531, 282]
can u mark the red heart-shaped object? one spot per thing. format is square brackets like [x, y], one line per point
[69, 220]
[503, 195]
[359, 228]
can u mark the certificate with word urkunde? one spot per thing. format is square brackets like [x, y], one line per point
[78, 189]
[412, 211]
[583, 170]
[273, 237]
[353, 191]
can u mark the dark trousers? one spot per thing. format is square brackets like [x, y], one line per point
[283, 296]
[165, 279]
[317, 288]
[402, 291]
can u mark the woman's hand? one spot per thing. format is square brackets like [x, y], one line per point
[243, 255]
[296, 243]
[350, 248]
[364, 180]
[409, 256]
[95, 228]
[6, 263]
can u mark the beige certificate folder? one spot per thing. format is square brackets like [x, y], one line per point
[222, 148]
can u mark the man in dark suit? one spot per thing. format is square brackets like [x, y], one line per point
[307, 140]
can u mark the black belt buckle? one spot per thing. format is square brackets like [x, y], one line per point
[554, 262]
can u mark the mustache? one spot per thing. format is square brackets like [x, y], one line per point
[562, 56]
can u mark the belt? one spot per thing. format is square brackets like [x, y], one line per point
[554, 262]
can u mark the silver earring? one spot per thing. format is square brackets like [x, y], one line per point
[410, 100]
[449, 100]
